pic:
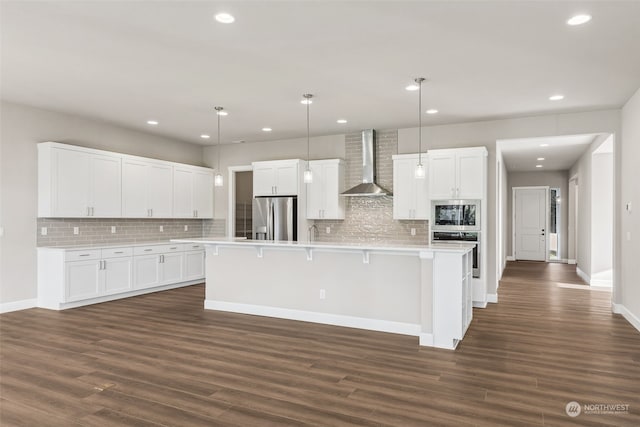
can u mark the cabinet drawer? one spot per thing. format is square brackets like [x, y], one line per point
[116, 252]
[174, 248]
[193, 246]
[146, 250]
[82, 255]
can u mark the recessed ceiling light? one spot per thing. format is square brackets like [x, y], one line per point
[544, 145]
[224, 18]
[266, 129]
[538, 166]
[306, 101]
[540, 159]
[341, 121]
[203, 136]
[579, 19]
[152, 122]
[222, 113]
[412, 87]
[432, 111]
[556, 97]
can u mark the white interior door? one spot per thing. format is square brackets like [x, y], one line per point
[530, 206]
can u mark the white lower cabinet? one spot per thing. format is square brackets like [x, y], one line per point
[70, 277]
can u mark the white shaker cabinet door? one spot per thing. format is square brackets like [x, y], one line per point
[194, 265]
[287, 180]
[134, 189]
[146, 271]
[203, 194]
[316, 192]
[403, 188]
[106, 186]
[470, 171]
[160, 190]
[264, 180]
[442, 176]
[171, 266]
[421, 199]
[118, 275]
[333, 180]
[183, 193]
[82, 280]
[70, 191]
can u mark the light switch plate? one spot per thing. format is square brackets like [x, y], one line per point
[413, 231]
[323, 294]
[186, 228]
[43, 231]
[628, 207]
[629, 235]
[76, 230]
[113, 229]
[161, 229]
[328, 230]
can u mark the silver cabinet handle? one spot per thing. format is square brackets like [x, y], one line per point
[104, 264]
[148, 250]
[173, 247]
[88, 211]
[151, 212]
[119, 252]
[162, 258]
[84, 254]
[196, 213]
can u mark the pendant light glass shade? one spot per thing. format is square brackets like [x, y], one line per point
[420, 172]
[218, 179]
[308, 174]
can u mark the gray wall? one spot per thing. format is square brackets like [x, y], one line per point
[628, 253]
[601, 213]
[553, 179]
[22, 128]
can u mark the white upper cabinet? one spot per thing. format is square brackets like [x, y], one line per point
[458, 173]
[192, 192]
[147, 189]
[323, 194]
[410, 195]
[276, 178]
[77, 184]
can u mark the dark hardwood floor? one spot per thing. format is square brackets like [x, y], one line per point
[160, 359]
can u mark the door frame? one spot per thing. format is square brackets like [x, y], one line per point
[546, 220]
[231, 207]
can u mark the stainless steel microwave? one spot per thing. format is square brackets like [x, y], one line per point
[455, 215]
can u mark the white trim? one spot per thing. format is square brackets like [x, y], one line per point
[584, 276]
[480, 304]
[571, 261]
[231, 208]
[7, 307]
[492, 298]
[315, 317]
[426, 340]
[64, 306]
[624, 311]
[511, 258]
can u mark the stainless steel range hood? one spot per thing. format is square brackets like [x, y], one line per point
[368, 187]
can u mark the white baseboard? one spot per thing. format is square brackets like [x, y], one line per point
[631, 318]
[479, 304]
[511, 258]
[24, 304]
[315, 317]
[106, 298]
[426, 340]
[492, 298]
[571, 261]
[584, 276]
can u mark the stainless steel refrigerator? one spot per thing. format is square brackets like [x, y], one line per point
[275, 218]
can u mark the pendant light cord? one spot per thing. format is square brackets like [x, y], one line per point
[419, 122]
[218, 141]
[308, 102]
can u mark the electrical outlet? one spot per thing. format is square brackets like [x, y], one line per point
[43, 231]
[629, 235]
[628, 207]
[186, 228]
[113, 229]
[413, 231]
[328, 230]
[162, 229]
[323, 294]
[76, 230]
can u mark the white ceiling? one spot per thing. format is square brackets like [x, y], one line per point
[130, 61]
[560, 152]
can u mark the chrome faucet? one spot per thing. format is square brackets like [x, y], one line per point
[313, 233]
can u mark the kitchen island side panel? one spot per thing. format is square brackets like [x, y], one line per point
[388, 288]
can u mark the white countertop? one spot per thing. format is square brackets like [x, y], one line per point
[359, 246]
[113, 245]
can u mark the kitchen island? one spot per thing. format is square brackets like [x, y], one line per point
[424, 291]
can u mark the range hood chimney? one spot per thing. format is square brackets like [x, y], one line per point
[368, 187]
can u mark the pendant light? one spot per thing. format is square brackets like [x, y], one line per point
[218, 180]
[420, 171]
[308, 175]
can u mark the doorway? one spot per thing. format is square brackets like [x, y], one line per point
[554, 224]
[530, 219]
[240, 203]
